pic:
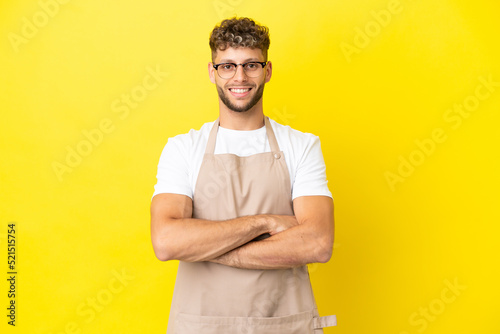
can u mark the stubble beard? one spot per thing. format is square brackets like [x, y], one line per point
[227, 102]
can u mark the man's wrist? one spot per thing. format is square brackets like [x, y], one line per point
[263, 224]
[228, 259]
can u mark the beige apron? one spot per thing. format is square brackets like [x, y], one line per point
[211, 298]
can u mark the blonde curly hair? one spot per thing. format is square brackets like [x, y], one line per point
[239, 32]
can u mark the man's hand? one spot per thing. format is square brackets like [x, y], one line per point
[308, 242]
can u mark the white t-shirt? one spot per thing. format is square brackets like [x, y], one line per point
[182, 156]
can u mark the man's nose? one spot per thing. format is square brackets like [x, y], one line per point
[240, 74]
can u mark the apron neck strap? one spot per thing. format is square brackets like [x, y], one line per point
[273, 143]
[210, 149]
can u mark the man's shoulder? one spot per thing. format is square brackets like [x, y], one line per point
[294, 136]
[193, 136]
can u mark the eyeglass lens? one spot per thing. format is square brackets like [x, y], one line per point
[227, 71]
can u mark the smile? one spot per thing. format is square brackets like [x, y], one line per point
[239, 90]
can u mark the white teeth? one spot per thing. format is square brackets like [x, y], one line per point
[240, 90]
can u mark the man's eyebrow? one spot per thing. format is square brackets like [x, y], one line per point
[234, 62]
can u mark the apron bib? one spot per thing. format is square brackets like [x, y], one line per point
[211, 298]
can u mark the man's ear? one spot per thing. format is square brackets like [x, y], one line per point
[269, 71]
[211, 72]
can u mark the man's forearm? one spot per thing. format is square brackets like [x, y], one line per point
[295, 240]
[294, 247]
[177, 236]
[192, 240]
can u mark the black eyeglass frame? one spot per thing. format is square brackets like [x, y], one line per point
[262, 63]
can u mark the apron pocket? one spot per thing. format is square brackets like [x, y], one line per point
[300, 323]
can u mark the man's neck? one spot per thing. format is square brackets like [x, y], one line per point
[252, 119]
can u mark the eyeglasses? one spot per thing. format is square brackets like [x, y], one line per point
[252, 69]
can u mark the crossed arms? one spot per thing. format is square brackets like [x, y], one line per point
[296, 240]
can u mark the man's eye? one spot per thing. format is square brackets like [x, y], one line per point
[227, 67]
[251, 66]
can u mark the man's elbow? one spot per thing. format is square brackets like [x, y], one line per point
[161, 254]
[325, 256]
[166, 249]
[163, 240]
[324, 250]
[161, 250]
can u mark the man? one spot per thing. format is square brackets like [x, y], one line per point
[243, 204]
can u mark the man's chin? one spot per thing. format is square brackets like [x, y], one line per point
[238, 108]
[242, 107]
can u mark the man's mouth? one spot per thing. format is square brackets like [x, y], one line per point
[239, 92]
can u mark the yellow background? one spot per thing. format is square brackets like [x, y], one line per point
[397, 244]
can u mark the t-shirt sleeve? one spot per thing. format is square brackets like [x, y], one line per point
[310, 177]
[173, 169]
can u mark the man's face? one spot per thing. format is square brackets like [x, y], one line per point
[241, 92]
